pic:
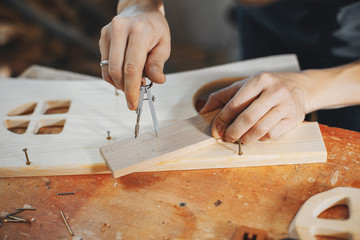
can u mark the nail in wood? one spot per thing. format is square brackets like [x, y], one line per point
[239, 143]
[27, 157]
[108, 136]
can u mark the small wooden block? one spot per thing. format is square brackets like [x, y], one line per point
[188, 145]
[136, 154]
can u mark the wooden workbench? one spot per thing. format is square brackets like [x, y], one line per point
[198, 204]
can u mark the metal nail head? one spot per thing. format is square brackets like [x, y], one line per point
[239, 143]
[108, 136]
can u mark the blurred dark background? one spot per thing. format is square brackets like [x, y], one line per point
[64, 34]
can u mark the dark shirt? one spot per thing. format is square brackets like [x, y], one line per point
[322, 33]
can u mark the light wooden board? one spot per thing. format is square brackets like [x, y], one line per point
[94, 110]
[188, 145]
[302, 145]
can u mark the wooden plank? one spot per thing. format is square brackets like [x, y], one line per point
[302, 145]
[188, 145]
[134, 154]
[95, 109]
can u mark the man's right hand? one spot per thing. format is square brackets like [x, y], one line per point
[136, 41]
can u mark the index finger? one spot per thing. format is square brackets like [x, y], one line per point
[219, 98]
[245, 95]
[134, 63]
[118, 41]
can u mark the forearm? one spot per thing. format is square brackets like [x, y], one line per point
[140, 5]
[334, 87]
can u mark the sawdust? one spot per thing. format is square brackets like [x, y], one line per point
[334, 177]
[118, 236]
[104, 227]
[311, 180]
[3, 214]
[27, 206]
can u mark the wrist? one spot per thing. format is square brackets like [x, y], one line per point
[316, 88]
[136, 7]
[333, 87]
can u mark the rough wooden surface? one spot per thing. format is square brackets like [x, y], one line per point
[146, 205]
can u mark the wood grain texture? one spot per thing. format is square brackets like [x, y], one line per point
[306, 224]
[146, 205]
[188, 145]
[303, 144]
[94, 110]
[132, 155]
[47, 73]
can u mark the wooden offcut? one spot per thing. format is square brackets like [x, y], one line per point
[307, 224]
[188, 145]
[135, 154]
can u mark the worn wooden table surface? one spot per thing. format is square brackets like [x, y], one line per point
[199, 204]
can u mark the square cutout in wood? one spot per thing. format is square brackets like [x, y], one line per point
[24, 109]
[49, 126]
[18, 126]
[56, 106]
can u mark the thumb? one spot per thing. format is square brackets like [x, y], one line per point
[220, 98]
[154, 66]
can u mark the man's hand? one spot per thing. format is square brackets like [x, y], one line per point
[268, 105]
[136, 41]
[263, 106]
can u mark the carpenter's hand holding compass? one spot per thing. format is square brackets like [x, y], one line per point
[143, 89]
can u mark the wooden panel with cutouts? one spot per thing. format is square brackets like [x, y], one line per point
[43, 126]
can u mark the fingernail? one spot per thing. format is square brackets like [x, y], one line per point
[228, 139]
[130, 105]
[200, 102]
[220, 129]
[155, 68]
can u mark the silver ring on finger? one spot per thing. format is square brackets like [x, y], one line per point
[104, 63]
